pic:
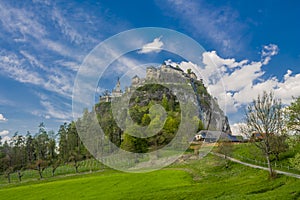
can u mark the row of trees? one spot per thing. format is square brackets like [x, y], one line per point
[46, 149]
[41, 150]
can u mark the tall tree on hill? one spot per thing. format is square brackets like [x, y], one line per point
[6, 161]
[29, 148]
[76, 150]
[264, 121]
[19, 154]
[63, 143]
[53, 158]
[41, 144]
[293, 112]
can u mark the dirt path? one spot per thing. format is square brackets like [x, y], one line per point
[256, 166]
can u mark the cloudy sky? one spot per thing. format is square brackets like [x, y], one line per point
[254, 44]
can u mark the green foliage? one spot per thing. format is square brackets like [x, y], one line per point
[278, 145]
[146, 120]
[107, 122]
[293, 113]
[295, 161]
[134, 144]
[165, 103]
[200, 126]
[189, 71]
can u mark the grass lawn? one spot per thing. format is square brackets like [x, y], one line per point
[199, 179]
[248, 152]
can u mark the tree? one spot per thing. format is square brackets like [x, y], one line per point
[278, 145]
[225, 147]
[75, 157]
[29, 148]
[18, 154]
[41, 148]
[63, 143]
[264, 119]
[135, 145]
[53, 158]
[293, 113]
[40, 165]
[55, 163]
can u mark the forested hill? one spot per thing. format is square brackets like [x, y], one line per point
[166, 87]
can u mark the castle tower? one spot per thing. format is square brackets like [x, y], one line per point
[117, 92]
[118, 86]
[135, 81]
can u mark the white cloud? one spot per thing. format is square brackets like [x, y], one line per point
[267, 52]
[288, 88]
[20, 21]
[13, 67]
[53, 79]
[237, 83]
[155, 46]
[236, 129]
[4, 132]
[2, 118]
[33, 61]
[66, 28]
[55, 112]
[74, 66]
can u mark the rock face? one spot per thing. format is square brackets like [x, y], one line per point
[178, 82]
[185, 87]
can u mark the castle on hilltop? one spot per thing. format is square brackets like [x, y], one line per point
[209, 111]
[152, 73]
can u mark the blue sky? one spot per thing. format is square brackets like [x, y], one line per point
[42, 44]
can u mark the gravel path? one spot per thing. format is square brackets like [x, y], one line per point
[256, 166]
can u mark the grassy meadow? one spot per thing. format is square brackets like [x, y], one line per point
[207, 178]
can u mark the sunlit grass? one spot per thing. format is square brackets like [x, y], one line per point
[207, 178]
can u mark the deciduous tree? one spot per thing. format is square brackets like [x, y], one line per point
[264, 119]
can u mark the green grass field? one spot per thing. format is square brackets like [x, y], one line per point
[249, 153]
[196, 179]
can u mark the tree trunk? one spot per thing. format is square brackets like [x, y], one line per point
[8, 177]
[269, 165]
[40, 173]
[277, 156]
[53, 171]
[76, 166]
[20, 176]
